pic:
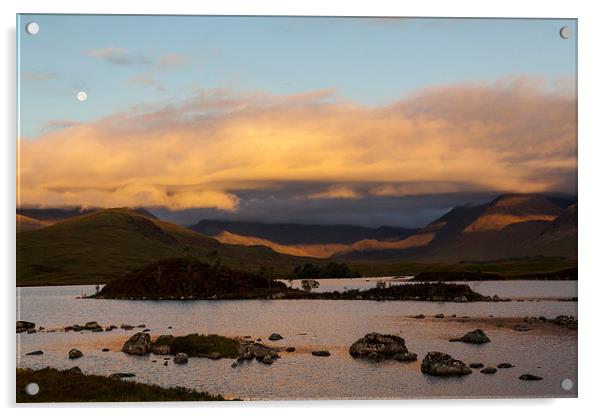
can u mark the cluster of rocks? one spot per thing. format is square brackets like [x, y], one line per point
[25, 326]
[379, 346]
[566, 321]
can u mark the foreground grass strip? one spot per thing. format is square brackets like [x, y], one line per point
[70, 386]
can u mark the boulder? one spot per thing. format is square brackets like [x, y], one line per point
[180, 358]
[382, 345]
[322, 353]
[267, 359]
[215, 356]
[474, 337]
[92, 325]
[234, 364]
[530, 377]
[138, 344]
[489, 370]
[439, 316]
[275, 337]
[75, 370]
[566, 321]
[505, 365]
[31, 331]
[419, 316]
[441, 364]
[476, 365]
[105, 350]
[291, 349]
[127, 327]
[521, 327]
[23, 326]
[73, 353]
[37, 352]
[405, 357]
[161, 346]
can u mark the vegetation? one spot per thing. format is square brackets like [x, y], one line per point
[107, 244]
[196, 345]
[186, 278]
[309, 284]
[331, 270]
[73, 386]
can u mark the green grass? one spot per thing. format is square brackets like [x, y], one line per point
[196, 345]
[106, 245]
[67, 386]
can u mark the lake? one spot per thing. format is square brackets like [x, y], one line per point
[310, 325]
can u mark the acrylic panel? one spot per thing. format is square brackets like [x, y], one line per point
[295, 208]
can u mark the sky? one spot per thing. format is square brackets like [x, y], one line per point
[372, 121]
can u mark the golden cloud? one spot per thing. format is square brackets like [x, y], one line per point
[513, 135]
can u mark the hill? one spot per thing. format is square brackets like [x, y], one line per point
[511, 226]
[104, 245]
[26, 223]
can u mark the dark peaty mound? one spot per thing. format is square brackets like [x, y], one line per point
[189, 279]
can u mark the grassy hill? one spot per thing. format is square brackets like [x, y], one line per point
[105, 245]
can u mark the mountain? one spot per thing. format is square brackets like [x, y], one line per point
[52, 215]
[26, 223]
[103, 245]
[512, 225]
[319, 241]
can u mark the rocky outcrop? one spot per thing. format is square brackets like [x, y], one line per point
[258, 351]
[74, 353]
[24, 326]
[375, 345]
[138, 344]
[161, 346]
[474, 337]
[441, 364]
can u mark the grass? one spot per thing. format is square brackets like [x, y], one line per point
[196, 345]
[105, 245]
[68, 386]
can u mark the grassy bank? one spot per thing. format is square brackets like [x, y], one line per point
[73, 386]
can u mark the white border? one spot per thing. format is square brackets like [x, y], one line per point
[590, 204]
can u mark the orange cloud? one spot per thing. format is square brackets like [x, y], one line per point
[514, 135]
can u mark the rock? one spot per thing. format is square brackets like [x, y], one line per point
[379, 344]
[291, 349]
[97, 329]
[460, 299]
[489, 370]
[23, 326]
[530, 377]
[78, 328]
[122, 375]
[521, 327]
[452, 315]
[161, 346]
[267, 359]
[439, 316]
[215, 356]
[566, 321]
[476, 365]
[105, 349]
[180, 358]
[420, 316]
[441, 364]
[505, 365]
[321, 353]
[275, 337]
[31, 331]
[234, 364]
[91, 325]
[405, 357]
[37, 352]
[138, 344]
[74, 370]
[474, 337]
[108, 329]
[146, 330]
[73, 353]
[126, 327]
[141, 326]
[166, 363]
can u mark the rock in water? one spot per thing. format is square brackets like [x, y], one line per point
[521, 327]
[406, 357]
[122, 375]
[73, 353]
[161, 346]
[378, 346]
[180, 358]
[505, 365]
[92, 325]
[476, 365]
[530, 377]
[138, 344]
[38, 352]
[489, 370]
[267, 359]
[441, 364]
[321, 353]
[275, 337]
[23, 326]
[474, 337]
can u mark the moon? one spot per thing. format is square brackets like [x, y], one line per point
[565, 32]
[82, 96]
[32, 28]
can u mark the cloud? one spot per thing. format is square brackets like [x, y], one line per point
[336, 192]
[515, 135]
[172, 60]
[37, 75]
[146, 81]
[118, 56]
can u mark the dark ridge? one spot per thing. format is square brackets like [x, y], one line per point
[301, 233]
[59, 214]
